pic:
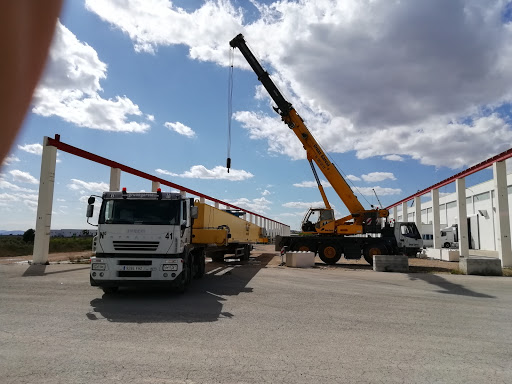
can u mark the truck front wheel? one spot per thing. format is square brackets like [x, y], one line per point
[371, 250]
[329, 253]
[200, 266]
[185, 276]
[110, 290]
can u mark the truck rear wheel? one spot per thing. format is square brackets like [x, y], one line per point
[371, 250]
[329, 253]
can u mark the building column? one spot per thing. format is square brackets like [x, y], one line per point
[45, 203]
[201, 200]
[183, 194]
[154, 186]
[417, 213]
[216, 205]
[115, 179]
[460, 187]
[436, 222]
[395, 213]
[502, 234]
[405, 214]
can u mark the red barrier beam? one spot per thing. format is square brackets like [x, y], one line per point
[109, 163]
[475, 168]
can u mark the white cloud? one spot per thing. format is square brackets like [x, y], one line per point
[35, 149]
[393, 158]
[266, 192]
[23, 177]
[18, 197]
[181, 129]
[70, 89]
[153, 23]
[373, 177]
[259, 205]
[4, 184]
[415, 78]
[312, 184]
[304, 205]
[217, 173]
[89, 186]
[353, 178]
[10, 159]
[368, 191]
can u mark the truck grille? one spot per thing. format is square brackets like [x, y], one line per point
[136, 245]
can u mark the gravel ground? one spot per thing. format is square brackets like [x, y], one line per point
[415, 265]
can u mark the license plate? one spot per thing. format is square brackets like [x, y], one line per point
[135, 268]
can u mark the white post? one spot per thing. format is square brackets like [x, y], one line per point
[154, 186]
[183, 194]
[115, 179]
[503, 245]
[460, 187]
[417, 212]
[216, 205]
[405, 214]
[436, 222]
[395, 213]
[201, 200]
[44, 204]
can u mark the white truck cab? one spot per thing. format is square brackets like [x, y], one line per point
[143, 238]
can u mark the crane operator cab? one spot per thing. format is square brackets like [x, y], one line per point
[318, 220]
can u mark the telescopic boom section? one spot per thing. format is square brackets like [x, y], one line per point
[295, 122]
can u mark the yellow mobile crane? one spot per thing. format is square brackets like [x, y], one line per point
[329, 237]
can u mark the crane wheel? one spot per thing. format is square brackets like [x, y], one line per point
[371, 250]
[302, 247]
[329, 253]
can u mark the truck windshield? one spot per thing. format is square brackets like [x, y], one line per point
[149, 212]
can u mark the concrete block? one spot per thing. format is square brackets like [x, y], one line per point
[449, 254]
[391, 263]
[433, 253]
[300, 259]
[481, 265]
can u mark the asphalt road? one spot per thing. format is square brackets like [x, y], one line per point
[256, 323]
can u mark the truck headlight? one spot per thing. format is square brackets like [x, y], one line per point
[98, 267]
[170, 267]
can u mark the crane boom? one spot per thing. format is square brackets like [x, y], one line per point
[314, 151]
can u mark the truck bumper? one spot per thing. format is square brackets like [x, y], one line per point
[134, 283]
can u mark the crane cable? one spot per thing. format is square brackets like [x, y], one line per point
[230, 105]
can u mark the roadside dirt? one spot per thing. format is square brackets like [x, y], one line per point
[268, 257]
[52, 258]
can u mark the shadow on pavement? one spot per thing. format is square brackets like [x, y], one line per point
[40, 270]
[202, 302]
[447, 286]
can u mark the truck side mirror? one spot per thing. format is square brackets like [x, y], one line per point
[91, 200]
[90, 210]
[194, 212]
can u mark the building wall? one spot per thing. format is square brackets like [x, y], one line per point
[480, 201]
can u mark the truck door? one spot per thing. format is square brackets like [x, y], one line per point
[408, 237]
[186, 231]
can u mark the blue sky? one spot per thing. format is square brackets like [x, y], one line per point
[400, 94]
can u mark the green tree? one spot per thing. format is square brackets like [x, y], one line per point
[29, 235]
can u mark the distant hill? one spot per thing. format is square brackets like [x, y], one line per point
[13, 233]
